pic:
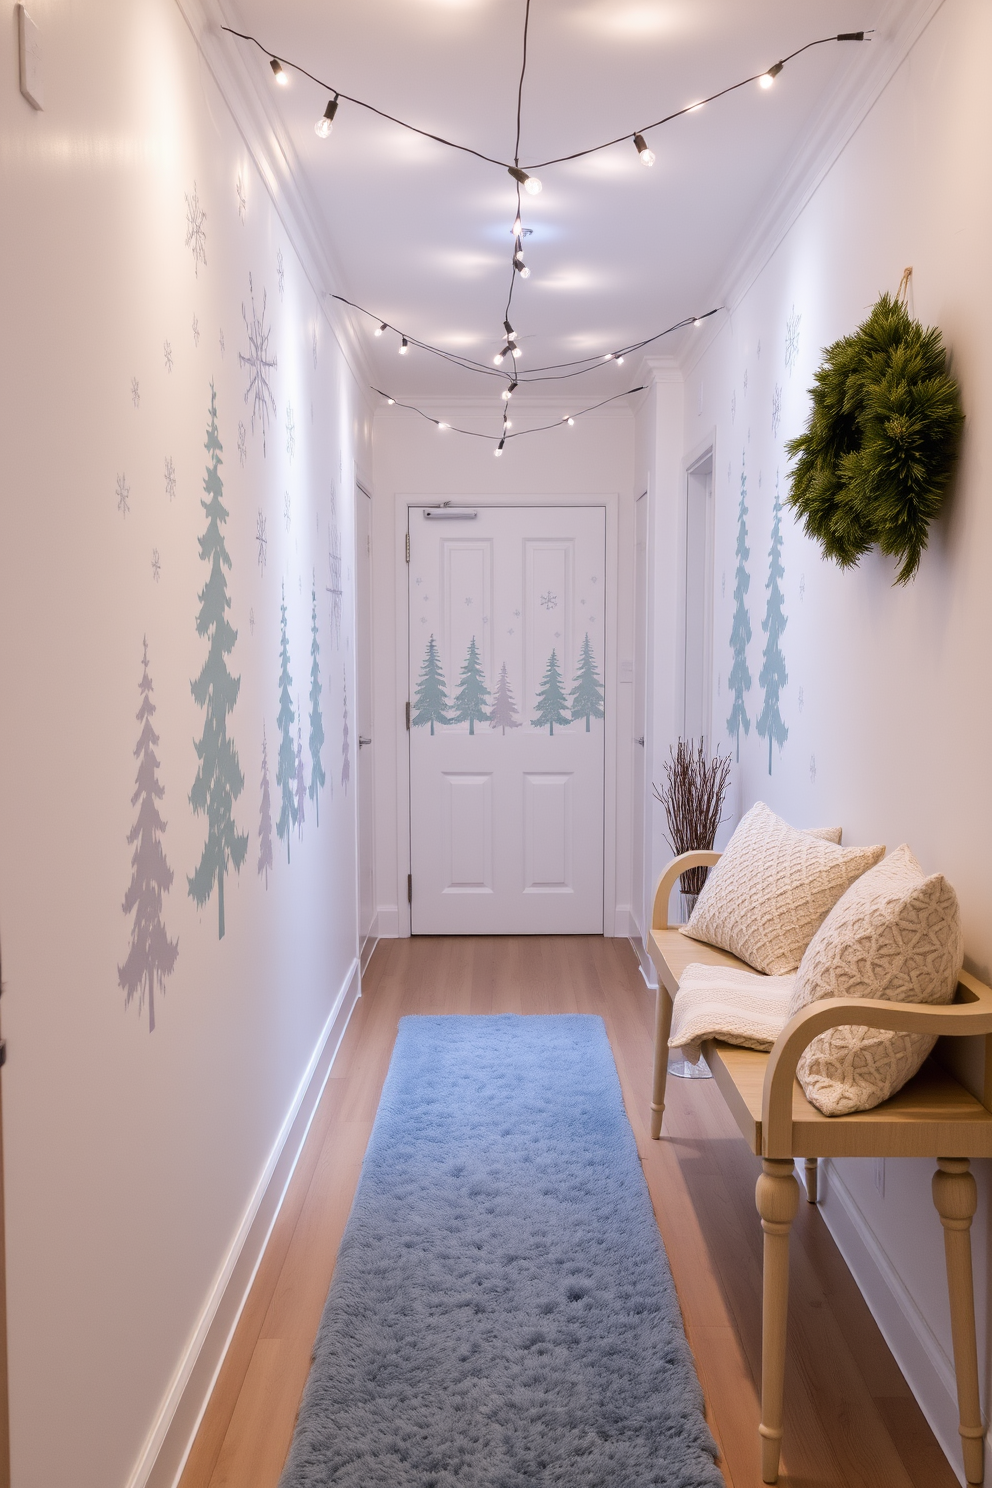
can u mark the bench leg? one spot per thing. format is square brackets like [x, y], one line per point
[777, 1198]
[662, 1028]
[955, 1199]
[811, 1173]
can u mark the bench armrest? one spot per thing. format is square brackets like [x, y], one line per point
[701, 858]
[970, 1014]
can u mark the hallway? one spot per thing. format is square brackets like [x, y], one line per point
[850, 1417]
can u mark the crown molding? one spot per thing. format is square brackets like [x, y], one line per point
[900, 26]
[271, 150]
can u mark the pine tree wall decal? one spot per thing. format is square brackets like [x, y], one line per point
[552, 706]
[587, 690]
[301, 782]
[431, 703]
[345, 743]
[773, 676]
[152, 955]
[317, 779]
[286, 760]
[739, 679]
[504, 706]
[265, 817]
[219, 781]
[472, 696]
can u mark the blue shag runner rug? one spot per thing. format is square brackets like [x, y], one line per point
[502, 1313]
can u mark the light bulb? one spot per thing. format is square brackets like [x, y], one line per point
[497, 359]
[506, 395]
[325, 123]
[530, 183]
[571, 421]
[499, 448]
[525, 272]
[390, 401]
[507, 423]
[767, 78]
[695, 107]
[278, 72]
[442, 425]
[697, 322]
[517, 228]
[644, 153]
[608, 357]
[516, 351]
[533, 186]
[619, 360]
[380, 328]
[404, 346]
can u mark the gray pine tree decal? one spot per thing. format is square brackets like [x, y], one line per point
[345, 743]
[219, 781]
[286, 761]
[152, 954]
[317, 778]
[587, 689]
[265, 817]
[472, 695]
[773, 676]
[431, 703]
[301, 782]
[504, 706]
[739, 678]
[552, 705]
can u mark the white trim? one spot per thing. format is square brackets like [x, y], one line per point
[644, 963]
[388, 921]
[924, 1362]
[163, 1456]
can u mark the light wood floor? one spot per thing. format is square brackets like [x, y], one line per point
[850, 1417]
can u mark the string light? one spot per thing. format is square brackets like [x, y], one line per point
[767, 78]
[499, 448]
[404, 346]
[509, 391]
[278, 72]
[570, 422]
[380, 328]
[506, 424]
[619, 361]
[644, 153]
[325, 123]
[531, 184]
[442, 425]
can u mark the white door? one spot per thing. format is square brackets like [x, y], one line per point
[507, 630]
[363, 639]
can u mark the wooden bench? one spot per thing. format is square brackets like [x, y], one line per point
[932, 1116]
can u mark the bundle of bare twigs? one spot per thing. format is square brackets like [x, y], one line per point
[693, 795]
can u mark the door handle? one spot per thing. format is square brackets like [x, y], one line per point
[640, 741]
[362, 741]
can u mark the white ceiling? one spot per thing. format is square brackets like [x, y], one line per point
[421, 233]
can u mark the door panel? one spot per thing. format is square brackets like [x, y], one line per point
[507, 642]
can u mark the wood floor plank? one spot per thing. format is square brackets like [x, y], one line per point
[851, 1421]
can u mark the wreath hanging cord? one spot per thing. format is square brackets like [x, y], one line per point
[881, 439]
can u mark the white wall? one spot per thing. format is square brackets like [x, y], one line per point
[888, 704]
[412, 458]
[131, 1157]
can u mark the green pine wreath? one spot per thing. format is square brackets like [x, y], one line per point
[881, 439]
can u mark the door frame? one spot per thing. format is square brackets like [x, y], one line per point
[363, 491]
[610, 502]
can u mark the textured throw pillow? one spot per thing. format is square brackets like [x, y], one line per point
[771, 890]
[739, 1007]
[895, 935]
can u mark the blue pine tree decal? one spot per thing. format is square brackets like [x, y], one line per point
[301, 779]
[552, 705]
[265, 817]
[504, 705]
[219, 781]
[431, 703]
[773, 675]
[316, 720]
[152, 954]
[286, 760]
[587, 690]
[472, 696]
[739, 680]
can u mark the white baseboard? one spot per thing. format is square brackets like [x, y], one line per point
[369, 944]
[624, 924]
[388, 920]
[928, 1370]
[168, 1444]
[644, 962]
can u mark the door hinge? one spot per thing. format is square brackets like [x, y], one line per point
[3, 1051]
[408, 547]
[409, 888]
[408, 716]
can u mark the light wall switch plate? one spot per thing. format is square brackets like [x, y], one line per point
[29, 48]
[626, 671]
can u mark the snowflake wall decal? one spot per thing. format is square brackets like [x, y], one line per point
[733, 407]
[196, 232]
[287, 510]
[792, 340]
[196, 331]
[135, 393]
[549, 600]
[156, 565]
[242, 200]
[776, 410]
[812, 769]
[242, 442]
[290, 430]
[170, 478]
[259, 364]
[280, 272]
[167, 355]
[335, 588]
[220, 338]
[123, 496]
[802, 586]
[262, 540]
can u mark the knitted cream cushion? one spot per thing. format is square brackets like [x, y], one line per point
[895, 935]
[740, 1007]
[772, 889]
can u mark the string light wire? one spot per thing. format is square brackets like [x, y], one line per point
[506, 434]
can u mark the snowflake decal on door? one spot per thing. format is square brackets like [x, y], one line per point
[258, 363]
[196, 232]
[549, 601]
